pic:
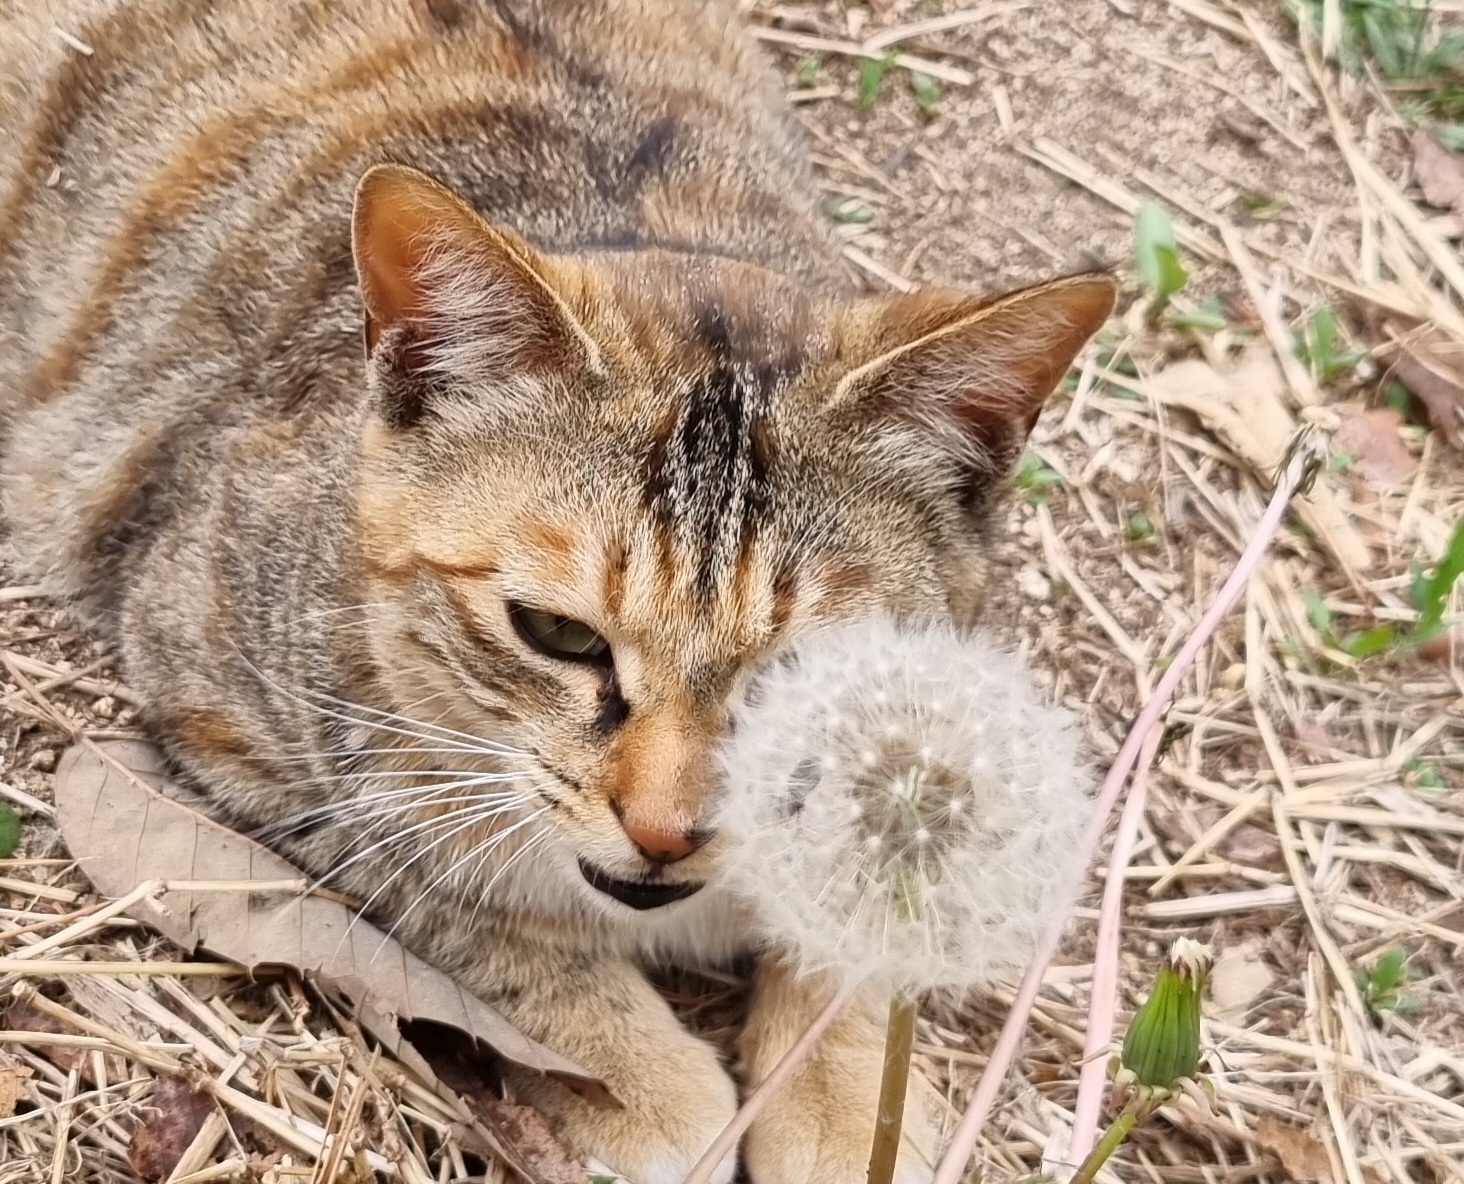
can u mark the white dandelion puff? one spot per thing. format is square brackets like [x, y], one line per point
[926, 834]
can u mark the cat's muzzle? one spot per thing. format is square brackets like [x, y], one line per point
[637, 894]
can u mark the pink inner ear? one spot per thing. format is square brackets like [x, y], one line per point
[385, 267]
[399, 215]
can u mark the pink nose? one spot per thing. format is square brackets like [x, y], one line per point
[661, 846]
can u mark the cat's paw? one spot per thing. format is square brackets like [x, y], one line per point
[675, 1099]
[819, 1130]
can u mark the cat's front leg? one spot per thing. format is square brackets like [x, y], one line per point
[820, 1127]
[605, 1015]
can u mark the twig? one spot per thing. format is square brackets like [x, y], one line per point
[1306, 456]
[758, 1100]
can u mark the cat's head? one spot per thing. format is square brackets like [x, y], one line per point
[597, 491]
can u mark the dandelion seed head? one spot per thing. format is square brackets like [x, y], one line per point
[937, 825]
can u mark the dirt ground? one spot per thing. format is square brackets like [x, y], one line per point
[1305, 816]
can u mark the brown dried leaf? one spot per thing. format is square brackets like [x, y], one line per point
[1316, 741]
[517, 1135]
[525, 1132]
[12, 1087]
[1439, 172]
[1301, 1153]
[1441, 394]
[171, 1120]
[1239, 977]
[1245, 408]
[1252, 846]
[22, 1017]
[125, 831]
[1378, 452]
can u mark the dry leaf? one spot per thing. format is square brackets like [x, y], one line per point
[1253, 846]
[1316, 742]
[1239, 977]
[523, 1129]
[22, 1017]
[1439, 172]
[518, 1135]
[1378, 453]
[1246, 409]
[1442, 395]
[124, 831]
[12, 1087]
[1301, 1153]
[171, 1119]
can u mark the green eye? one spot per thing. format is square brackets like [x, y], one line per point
[559, 637]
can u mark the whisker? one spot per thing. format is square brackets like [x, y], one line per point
[372, 820]
[402, 809]
[507, 863]
[416, 828]
[384, 774]
[350, 808]
[480, 746]
[492, 843]
[351, 753]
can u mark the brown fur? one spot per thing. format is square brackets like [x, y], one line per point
[616, 379]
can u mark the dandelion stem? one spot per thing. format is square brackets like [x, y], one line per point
[899, 1038]
[1112, 1137]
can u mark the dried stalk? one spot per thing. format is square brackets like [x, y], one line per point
[767, 1089]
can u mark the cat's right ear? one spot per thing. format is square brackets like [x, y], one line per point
[452, 302]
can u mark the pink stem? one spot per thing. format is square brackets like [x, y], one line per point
[758, 1100]
[1104, 994]
[963, 1139]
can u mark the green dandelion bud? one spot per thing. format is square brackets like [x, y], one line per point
[1162, 1047]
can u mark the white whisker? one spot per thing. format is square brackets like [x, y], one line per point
[491, 843]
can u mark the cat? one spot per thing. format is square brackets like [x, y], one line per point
[443, 407]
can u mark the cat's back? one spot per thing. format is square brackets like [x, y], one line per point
[175, 135]
[176, 180]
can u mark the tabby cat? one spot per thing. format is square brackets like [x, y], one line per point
[444, 406]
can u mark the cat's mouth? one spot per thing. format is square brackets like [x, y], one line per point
[636, 894]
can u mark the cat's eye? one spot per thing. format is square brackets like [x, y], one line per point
[559, 637]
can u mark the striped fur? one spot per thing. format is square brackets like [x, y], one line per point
[609, 371]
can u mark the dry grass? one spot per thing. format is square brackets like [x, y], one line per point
[1307, 812]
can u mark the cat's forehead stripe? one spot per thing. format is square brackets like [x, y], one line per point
[708, 480]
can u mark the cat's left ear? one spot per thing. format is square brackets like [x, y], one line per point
[451, 299]
[976, 371]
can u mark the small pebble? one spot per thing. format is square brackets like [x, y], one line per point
[43, 760]
[1034, 585]
[105, 707]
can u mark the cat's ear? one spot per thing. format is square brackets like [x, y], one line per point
[977, 372]
[451, 300]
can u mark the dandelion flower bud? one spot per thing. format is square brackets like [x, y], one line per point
[905, 803]
[1162, 1047]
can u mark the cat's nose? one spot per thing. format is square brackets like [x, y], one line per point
[662, 845]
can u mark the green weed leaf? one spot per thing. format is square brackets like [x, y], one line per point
[1209, 317]
[926, 91]
[1368, 642]
[1317, 611]
[872, 73]
[9, 830]
[1156, 255]
[1431, 592]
